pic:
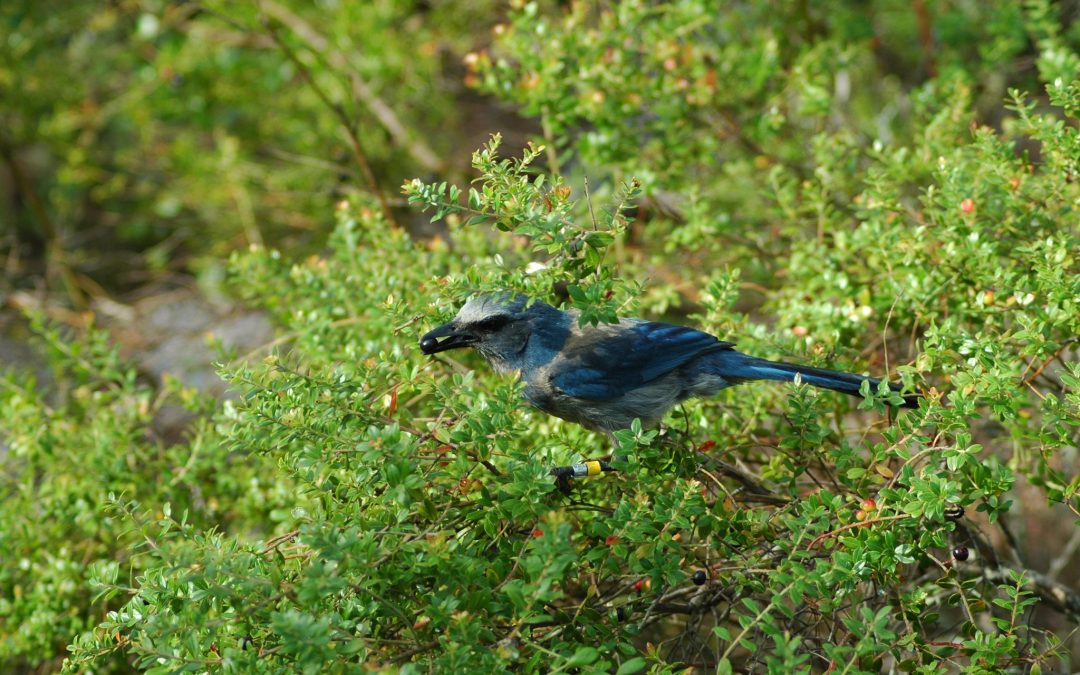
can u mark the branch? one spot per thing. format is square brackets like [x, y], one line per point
[1038, 371]
[755, 488]
[55, 256]
[343, 118]
[382, 112]
[926, 35]
[1057, 595]
[849, 526]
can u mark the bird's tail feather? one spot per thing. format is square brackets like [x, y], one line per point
[752, 368]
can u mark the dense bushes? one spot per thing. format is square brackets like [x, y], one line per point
[806, 183]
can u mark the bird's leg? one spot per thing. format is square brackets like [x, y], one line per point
[590, 467]
[564, 475]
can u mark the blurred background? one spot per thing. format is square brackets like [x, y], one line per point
[143, 141]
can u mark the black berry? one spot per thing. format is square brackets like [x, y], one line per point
[954, 512]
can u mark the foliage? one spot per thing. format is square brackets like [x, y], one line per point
[77, 462]
[373, 508]
[143, 123]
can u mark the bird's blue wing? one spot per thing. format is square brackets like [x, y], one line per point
[604, 363]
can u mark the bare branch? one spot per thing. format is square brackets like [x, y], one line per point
[365, 94]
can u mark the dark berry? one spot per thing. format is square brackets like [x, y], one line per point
[699, 578]
[960, 553]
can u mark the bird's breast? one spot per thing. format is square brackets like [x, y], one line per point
[539, 391]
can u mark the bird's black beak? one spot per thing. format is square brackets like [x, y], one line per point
[452, 339]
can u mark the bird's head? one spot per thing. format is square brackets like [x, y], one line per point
[496, 326]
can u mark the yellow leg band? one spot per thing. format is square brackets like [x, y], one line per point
[593, 467]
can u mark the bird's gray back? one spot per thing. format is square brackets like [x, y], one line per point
[605, 376]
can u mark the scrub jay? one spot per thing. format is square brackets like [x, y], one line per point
[605, 376]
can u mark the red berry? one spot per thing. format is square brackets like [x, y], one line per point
[968, 205]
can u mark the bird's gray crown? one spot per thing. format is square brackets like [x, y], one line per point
[481, 307]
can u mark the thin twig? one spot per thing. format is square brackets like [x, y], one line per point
[588, 200]
[1047, 362]
[849, 526]
[278, 540]
[549, 145]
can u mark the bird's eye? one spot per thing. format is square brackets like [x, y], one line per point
[493, 323]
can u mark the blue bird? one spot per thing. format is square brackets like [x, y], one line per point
[603, 377]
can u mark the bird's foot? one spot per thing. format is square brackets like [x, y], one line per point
[565, 484]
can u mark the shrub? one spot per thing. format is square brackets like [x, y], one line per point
[82, 462]
[412, 523]
[430, 533]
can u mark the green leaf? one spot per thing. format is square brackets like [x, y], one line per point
[582, 657]
[630, 666]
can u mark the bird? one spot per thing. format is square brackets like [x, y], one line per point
[605, 376]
